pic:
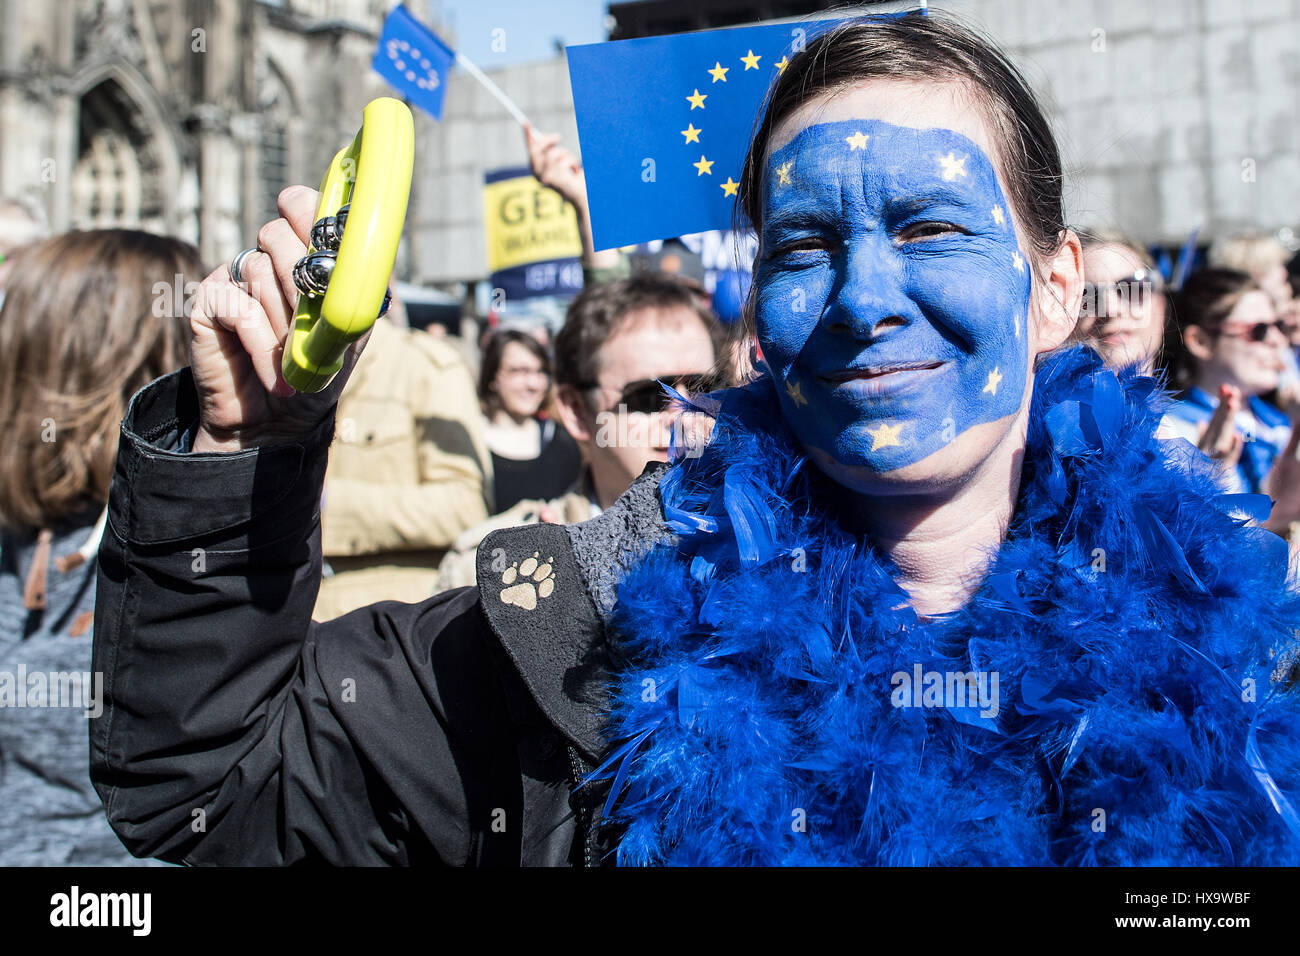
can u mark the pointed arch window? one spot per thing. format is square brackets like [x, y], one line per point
[117, 180]
[275, 111]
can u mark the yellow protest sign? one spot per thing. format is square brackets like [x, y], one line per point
[525, 222]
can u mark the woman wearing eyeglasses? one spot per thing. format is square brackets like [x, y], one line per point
[1124, 305]
[532, 457]
[1227, 356]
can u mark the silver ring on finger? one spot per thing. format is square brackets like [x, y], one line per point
[237, 265]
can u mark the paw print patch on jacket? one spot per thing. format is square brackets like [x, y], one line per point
[527, 581]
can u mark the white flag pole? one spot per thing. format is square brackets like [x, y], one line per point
[492, 88]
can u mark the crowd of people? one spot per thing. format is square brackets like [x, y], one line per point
[1225, 343]
[551, 479]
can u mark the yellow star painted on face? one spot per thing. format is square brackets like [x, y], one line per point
[782, 63]
[795, 391]
[750, 61]
[857, 141]
[704, 166]
[992, 385]
[691, 133]
[783, 173]
[729, 187]
[952, 166]
[998, 216]
[884, 436]
[1017, 261]
[697, 100]
[719, 72]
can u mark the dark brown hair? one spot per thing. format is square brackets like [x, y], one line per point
[88, 319]
[1206, 300]
[601, 310]
[494, 351]
[930, 49]
[926, 48]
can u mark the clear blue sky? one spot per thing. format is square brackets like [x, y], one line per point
[530, 27]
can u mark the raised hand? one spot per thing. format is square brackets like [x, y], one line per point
[556, 167]
[1283, 486]
[237, 339]
[1220, 439]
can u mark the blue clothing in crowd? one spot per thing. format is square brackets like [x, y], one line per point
[1265, 431]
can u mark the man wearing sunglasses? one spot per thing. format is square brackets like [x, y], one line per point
[620, 341]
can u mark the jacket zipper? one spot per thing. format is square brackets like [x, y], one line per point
[584, 815]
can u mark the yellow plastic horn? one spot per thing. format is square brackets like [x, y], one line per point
[372, 177]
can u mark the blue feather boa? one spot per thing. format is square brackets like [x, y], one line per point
[1139, 721]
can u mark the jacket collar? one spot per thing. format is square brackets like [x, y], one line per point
[546, 591]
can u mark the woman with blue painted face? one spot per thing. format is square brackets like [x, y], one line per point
[898, 312]
[922, 491]
[932, 592]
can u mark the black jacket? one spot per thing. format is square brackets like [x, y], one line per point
[238, 731]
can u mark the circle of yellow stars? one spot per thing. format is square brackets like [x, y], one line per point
[951, 168]
[718, 74]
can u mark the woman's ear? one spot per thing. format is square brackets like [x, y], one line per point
[572, 412]
[1200, 343]
[1060, 294]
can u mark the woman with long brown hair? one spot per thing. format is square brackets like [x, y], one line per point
[88, 318]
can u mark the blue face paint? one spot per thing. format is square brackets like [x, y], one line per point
[889, 249]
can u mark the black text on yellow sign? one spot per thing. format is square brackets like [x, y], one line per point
[526, 222]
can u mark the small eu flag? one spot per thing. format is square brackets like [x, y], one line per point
[413, 60]
[664, 124]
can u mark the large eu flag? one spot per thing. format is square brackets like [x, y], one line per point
[664, 123]
[412, 58]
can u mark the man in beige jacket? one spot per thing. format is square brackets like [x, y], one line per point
[408, 471]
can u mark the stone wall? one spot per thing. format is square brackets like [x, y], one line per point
[1171, 115]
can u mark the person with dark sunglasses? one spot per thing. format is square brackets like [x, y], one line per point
[619, 342]
[624, 344]
[1230, 350]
